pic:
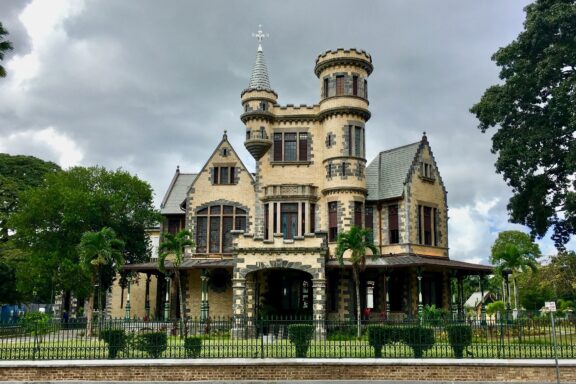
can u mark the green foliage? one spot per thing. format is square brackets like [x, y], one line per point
[300, 335]
[459, 337]
[153, 343]
[496, 307]
[5, 46]
[516, 251]
[533, 109]
[193, 346]
[356, 241]
[419, 338]
[116, 340]
[174, 245]
[36, 323]
[53, 217]
[8, 294]
[380, 335]
[560, 275]
[434, 315]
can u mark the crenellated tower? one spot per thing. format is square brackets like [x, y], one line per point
[343, 113]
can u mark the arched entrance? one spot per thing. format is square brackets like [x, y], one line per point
[281, 292]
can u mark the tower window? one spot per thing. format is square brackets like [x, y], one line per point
[355, 85]
[263, 106]
[332, 220]
[369, 222]
[339, 85]
[325, 88]
[427, 225]
[358, 214]
[290, 147]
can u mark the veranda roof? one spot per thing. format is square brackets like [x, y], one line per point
[186, 264]
[404, 261]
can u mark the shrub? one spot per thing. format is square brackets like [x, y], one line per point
[460, 337]
[380, 335]
[37, 323]
[419, 338]
[116, 340]
[300, 335]
[193, 346]
[153, 343]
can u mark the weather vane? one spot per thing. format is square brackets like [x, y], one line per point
[260, 35]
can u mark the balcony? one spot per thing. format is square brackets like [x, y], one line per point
[290, 191]
[257, 143]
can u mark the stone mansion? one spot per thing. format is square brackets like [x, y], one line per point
[265, 241]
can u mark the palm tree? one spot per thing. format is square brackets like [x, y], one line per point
[5, 46]
[516, 252]
[357, 240]
[96, 250]
[174, 244]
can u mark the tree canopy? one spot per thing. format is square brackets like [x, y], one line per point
[535, 110]
[52, 218]
[5, 46]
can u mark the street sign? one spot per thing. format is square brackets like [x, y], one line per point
[550, 306]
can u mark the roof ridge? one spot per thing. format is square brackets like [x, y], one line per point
[400, 147]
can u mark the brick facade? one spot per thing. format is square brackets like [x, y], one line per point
[534, 371]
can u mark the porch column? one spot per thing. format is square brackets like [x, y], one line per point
[319, 306]
[482, 304]
[453, 290]
[204, 305]
[270, 234]
[128, 306]
[278, 226]
[167, 300]
[238, 306]
[306, 217]
[299, 227]
[147, 297]
[250, 301]
[387, 287]
[460, 283]
[420, 305]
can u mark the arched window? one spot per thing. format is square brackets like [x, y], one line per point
[214, 225]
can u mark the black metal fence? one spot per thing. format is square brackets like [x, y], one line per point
[286, 338]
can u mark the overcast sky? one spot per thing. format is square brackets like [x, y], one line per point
[149, 85]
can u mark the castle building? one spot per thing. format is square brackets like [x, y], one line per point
[265, 241]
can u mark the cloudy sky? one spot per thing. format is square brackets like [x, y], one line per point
[148, 85]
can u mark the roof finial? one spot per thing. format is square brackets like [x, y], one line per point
[177, 169]
[225, 136]
[424, 133]
[260, 35]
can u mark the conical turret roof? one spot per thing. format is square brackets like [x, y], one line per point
[259, 78]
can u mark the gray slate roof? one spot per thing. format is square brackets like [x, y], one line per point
[259, 78]
[387, 173]
[176, 193]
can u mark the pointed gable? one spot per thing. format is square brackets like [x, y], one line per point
[176, 193]
[387, 173]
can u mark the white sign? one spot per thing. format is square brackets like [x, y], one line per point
[550, 306]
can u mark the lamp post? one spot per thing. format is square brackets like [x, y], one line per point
[128, 305]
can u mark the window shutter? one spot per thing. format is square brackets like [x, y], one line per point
[303, 147]
[277, 147]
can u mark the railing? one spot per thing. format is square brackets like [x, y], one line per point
[280, 338]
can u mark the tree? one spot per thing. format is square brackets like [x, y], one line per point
[5, 46]
[516, 252]
[52, 218]
[174, 245]
[560, 275]
[356, 240]
[535, 111]
[98, 249]
[17, 174]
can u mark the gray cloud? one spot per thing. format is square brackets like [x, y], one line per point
[146, 85]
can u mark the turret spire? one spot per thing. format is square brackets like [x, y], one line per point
[259, 78]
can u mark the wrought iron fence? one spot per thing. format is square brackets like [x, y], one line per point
[286, 338]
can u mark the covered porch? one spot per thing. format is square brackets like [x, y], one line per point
[398, 288]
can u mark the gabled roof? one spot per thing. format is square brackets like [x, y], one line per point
[388, 172]
[176, 193]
